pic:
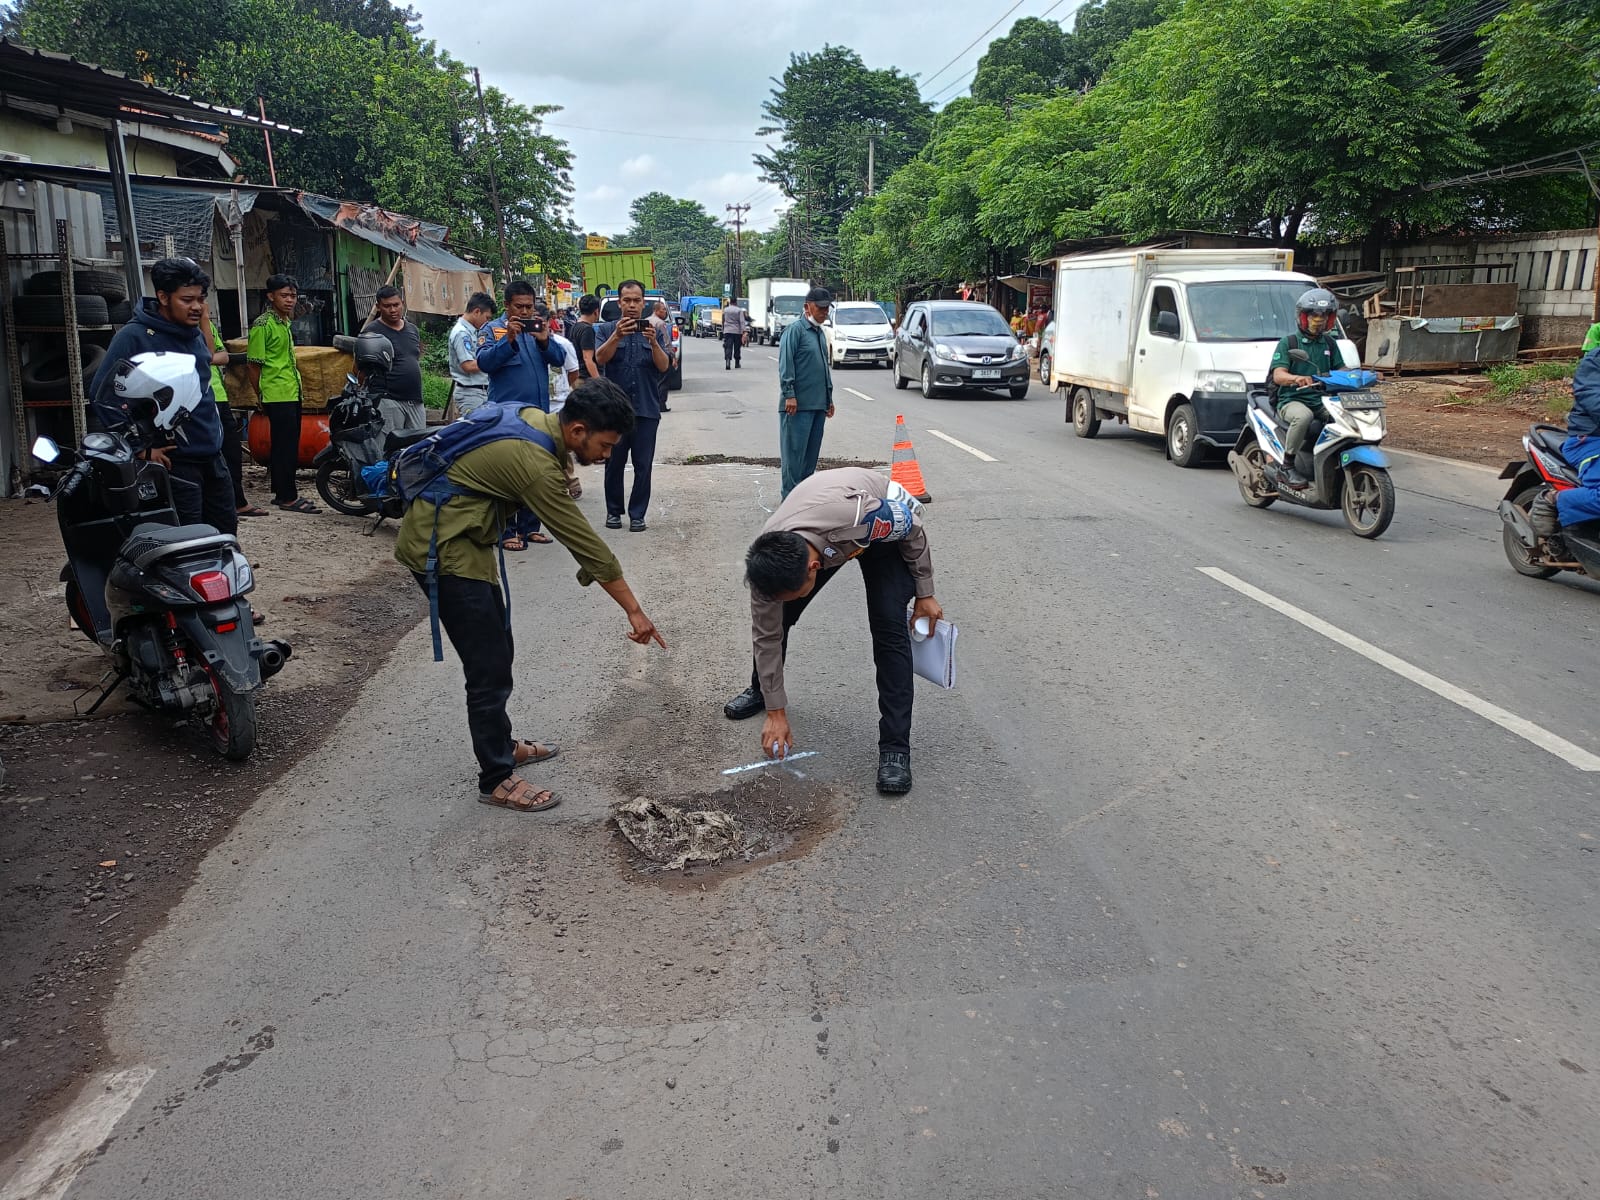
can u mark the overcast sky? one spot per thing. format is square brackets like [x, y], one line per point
[685, 81]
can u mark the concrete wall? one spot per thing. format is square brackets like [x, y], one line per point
[44, 143]
[1555, 271]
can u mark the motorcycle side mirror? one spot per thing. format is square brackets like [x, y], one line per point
[352, 380]
[46, 450]
[1299, 356]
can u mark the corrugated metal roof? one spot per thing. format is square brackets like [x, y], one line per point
[60, 79]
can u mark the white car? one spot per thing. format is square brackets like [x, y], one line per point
[858, 331]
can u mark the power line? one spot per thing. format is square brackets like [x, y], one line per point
[972, 43]
[956, 86]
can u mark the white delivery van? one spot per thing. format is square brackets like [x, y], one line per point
[775, 304]
[1169, 341]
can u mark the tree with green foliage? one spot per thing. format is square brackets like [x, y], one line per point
[1282, 117]
[1100, 29]
[1543, 69]
[682, 233]
[824, 111]
[1030, 60]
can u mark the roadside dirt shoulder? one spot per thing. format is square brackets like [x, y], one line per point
[104, 820]
[1457, 416]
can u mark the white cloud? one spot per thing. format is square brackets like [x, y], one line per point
[603, 193]
[637, 167]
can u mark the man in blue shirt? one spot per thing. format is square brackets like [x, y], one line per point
[516, 354]
[1551, 510]
[634, 357]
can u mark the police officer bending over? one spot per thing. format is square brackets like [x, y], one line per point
[827, 520]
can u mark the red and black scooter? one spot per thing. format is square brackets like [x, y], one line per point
[1576, 548]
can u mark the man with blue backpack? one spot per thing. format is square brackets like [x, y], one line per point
[460, 485]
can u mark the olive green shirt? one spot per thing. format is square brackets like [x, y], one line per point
[271, 344]
[1324, 354]
[510, 474]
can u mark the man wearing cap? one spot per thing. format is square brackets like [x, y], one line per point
[805, 390]
[829, 519]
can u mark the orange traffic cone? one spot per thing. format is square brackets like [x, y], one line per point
[903, 467]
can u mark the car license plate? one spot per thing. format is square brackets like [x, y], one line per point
[982, 374]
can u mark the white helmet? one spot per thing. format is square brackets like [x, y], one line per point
[159, 385]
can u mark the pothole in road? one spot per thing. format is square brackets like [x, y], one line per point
[772, 817]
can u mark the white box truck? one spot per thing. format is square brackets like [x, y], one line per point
[1170, 341]
[775, 304]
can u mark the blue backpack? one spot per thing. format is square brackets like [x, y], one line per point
[420, 473]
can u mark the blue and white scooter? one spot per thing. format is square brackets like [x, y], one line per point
[1346, 469]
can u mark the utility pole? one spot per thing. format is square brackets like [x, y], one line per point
[494, 187]
[872, 146]
[738, 211]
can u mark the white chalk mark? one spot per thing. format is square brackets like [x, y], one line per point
[959, 445]
[1569, 752]
[50, 1169]
[755, 766]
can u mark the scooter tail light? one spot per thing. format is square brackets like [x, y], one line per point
[211, 586]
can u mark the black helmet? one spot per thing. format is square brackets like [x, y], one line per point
[374, 353]
[1318, 302]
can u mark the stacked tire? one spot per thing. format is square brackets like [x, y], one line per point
[100, 299]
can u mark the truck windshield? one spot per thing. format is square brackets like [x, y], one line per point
[1246, 311]
[978, 321]
[789, 306]
[860, 316]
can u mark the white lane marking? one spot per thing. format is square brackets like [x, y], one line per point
[973, 450]
[50, 1170]
[851, 390]
[773, 357]
[1573, 754]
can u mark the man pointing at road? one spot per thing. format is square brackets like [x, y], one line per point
[827, 520]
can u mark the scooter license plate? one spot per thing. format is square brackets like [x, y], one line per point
[986, 374]
[1361, 401]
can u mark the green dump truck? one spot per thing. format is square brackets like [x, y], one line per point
[607, 268]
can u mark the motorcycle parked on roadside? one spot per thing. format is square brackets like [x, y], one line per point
[1346, 469]
[164, 602]
[353, 468]
[1577, 548]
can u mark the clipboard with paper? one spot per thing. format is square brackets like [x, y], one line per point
[933, 652]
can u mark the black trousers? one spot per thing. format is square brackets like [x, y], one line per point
[889, 589]
[233, 452]
[473, 614]
[283, 420]
[640, 446]
[202, 492]
[730, 346]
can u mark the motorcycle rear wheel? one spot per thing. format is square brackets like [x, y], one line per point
[233, 725]
[1517, 554]
[1253, 455]
[339, 486]
[1368, 500]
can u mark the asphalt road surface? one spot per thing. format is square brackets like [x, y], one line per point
[1246, 859]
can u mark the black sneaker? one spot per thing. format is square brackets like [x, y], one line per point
[613, 522]
[637, 527]
[894, 772]
[746, 704]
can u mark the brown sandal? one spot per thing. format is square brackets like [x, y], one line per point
[519, 796]
[524, 752]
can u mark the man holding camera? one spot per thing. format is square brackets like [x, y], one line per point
[633, 356]
[516, 353]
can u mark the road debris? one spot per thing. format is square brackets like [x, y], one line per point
[675, 838]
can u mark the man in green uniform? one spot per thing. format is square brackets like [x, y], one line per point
[1299, 395]
[502, 477]
[805, 390]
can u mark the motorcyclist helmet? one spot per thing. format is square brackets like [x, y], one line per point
[161, 387]
[1318, 302]
[374, 353]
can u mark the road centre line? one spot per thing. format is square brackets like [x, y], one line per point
[51, 1169]
[959, 445]
[1569, 752]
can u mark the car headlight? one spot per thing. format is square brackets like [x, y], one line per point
[1220, 381]
[944, 351]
